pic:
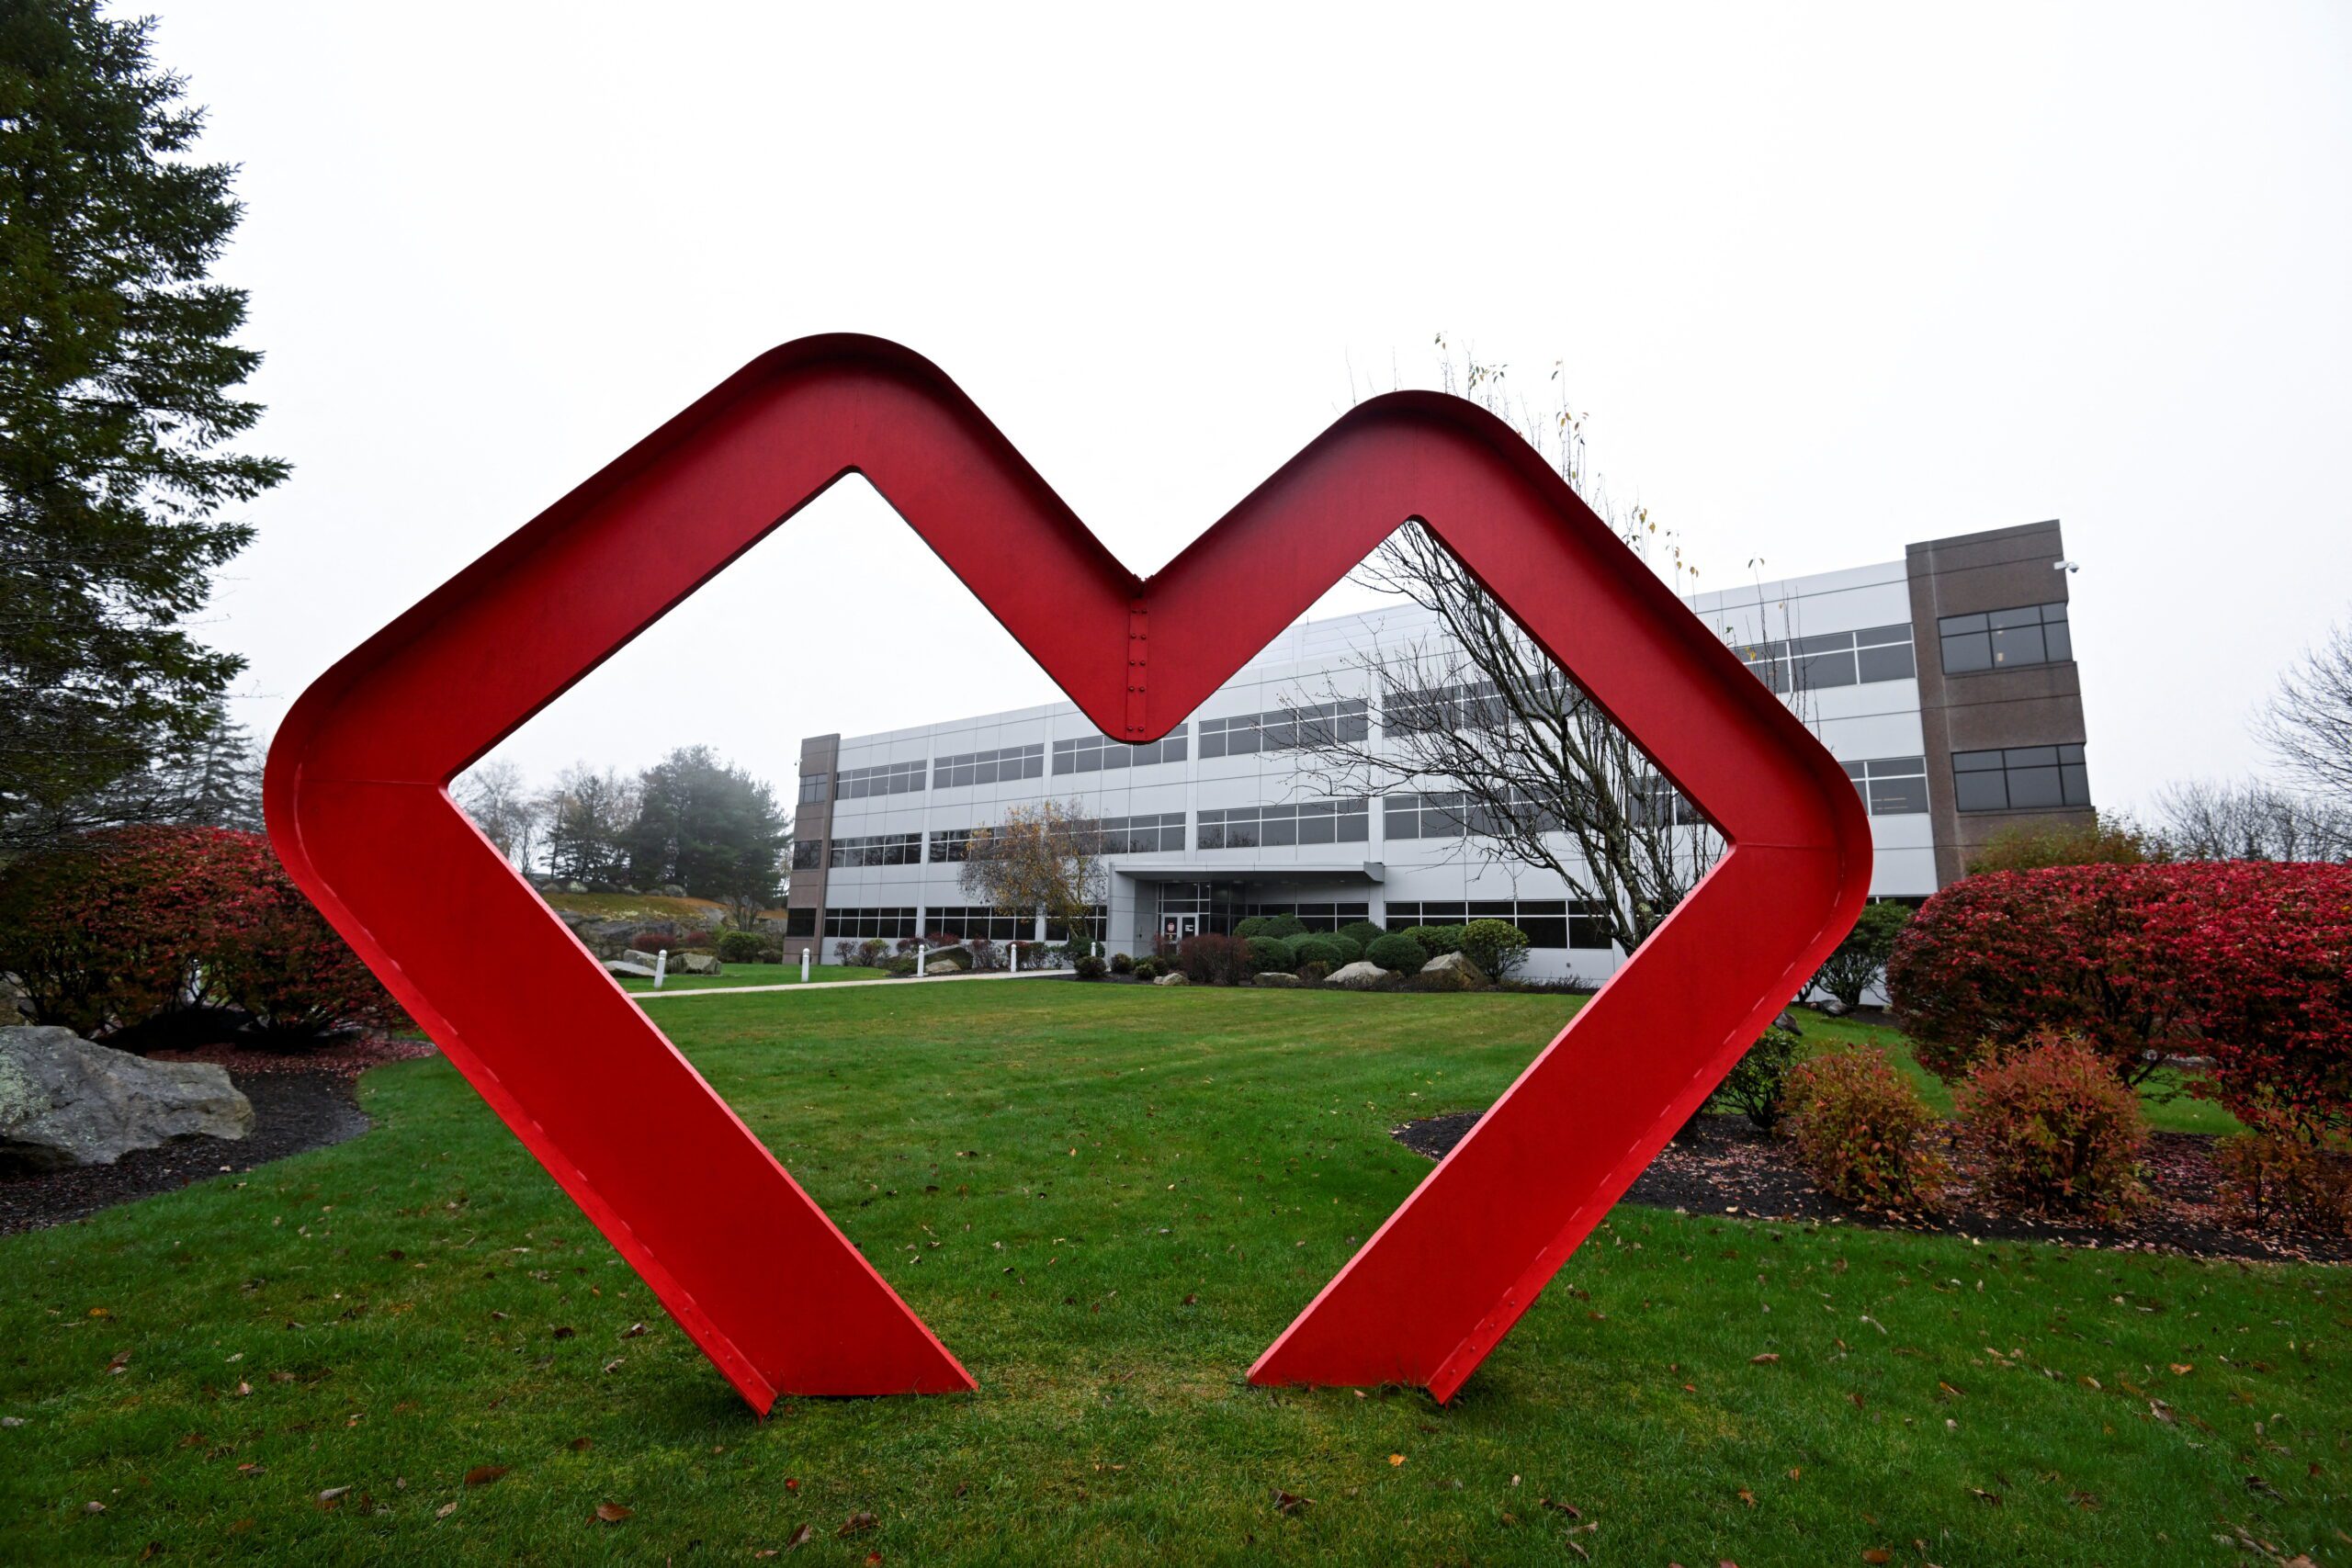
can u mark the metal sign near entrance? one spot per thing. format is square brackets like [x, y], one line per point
[359, 810]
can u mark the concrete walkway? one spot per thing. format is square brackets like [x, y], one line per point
[851, 985]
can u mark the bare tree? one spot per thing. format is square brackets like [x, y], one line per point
[2254, 821]
[1045, 857]
[1478, 725]
[2307, 724]
[508, 814]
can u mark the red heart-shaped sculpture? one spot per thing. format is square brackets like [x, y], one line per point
[359, 809]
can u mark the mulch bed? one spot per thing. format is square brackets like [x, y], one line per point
[1726, 1166]
[300, 1102]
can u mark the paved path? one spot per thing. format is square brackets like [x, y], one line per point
[850, 985]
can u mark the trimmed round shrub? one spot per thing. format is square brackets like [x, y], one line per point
[1436, 941]
[1363, 934]
[125, 929]
[1318, 947]
[2053, 1130]
[1281, 927]
[1147, 969]
[1090, 968]
[1266, 954]
[1312, 973]
[741, 947]
[1497, 947]
[1861, 1130]
[1122, 963]
[1255, 926]
[1757, 1087]
[1397, 951]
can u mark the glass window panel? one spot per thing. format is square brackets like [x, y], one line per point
[1322, 828]
[2054, 612]
[1949, 625]
[1967, 653]
[2030, 756]
[1356, 828]
[2075, 782]
[2030, 616]
[1280, 830]
[1089, 762]
[1893, 796]
[1981, 792]
[1824, 669]
[1117, 756]
[1887, 766]
[1878, 635]
[2070, 754]
[1831, 642]
[2060, 642]
[1974, 761]
[2019, 645]
[2035, 788]
[1892, 663]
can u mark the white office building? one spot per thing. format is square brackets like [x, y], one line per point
[1944, 682]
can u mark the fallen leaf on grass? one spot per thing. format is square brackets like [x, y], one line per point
[611, 1513]
[633, 1331]
[1767, 1359]
[563, 1332]
[1746, 1496]
[1395, 1459]
[2182, 1368]
[446, 1509]
[1568, 1509]
[858, 1524]
[792, 1483]
[1878, 1554]
[1290, 1501]
[581, 1445]
[483, 1474]
[801, 1537]
[1983, 1496]
[331, 1495]
[613, 1365]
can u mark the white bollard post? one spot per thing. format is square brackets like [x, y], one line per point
[804, 965]
[922, 961]
[1014, 948]
[660, 967]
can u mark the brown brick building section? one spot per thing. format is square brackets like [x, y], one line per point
[2038, 705]
[812, 823]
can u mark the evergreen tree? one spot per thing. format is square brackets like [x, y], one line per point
[587, 815]
[708, 828]
[115, 372]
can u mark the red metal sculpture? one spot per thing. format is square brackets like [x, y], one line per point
[753, 1270]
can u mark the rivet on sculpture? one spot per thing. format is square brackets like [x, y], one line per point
[359, 806]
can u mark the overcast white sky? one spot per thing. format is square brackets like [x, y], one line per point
[1828, 280]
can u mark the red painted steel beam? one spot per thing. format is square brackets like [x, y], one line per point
[359, 809]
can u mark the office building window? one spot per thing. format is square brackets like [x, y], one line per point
[801, 923]
[949, 845]
[1449, 813]
[1314, 917]
[816, 788]
[978, 922]
[1891, 786]
[2021, 778]
[1435, 709]
[886, 778]
[1091, 929]
[1548, 922]
[1101, 754]
[2006, 639]
[1143, 835]
[1003, 765]
[1651, 802]
[1285, 729]
[889, 923]
[883, 849]
[807, 854]
[1270, 827]
[1833, 658]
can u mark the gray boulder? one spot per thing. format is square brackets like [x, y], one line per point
[1458, 966]
[64, 1101]
[623, 970]
[942, 967]
[1173, 978]
[639, 956]
[1276, 978]
[1830, 1007]
[1363, 972]
[699, 963]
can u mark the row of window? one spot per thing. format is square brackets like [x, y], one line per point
[1143, 835]
[1891, 786]
[883, 849]
[1307, 822]
[1001, 765]
[1285, 729]
[1099, 753]
[2006, 639]
[1834, 658]
[1437, 709]
[2019, 778]
[1548, 922]
[883, 778]
[1314, 917]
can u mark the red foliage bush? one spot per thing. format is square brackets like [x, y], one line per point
[2053, 1130]
[2273, 1171]
[132, 926]
[1215, 960]
[1860, 1130]
[2249, 962]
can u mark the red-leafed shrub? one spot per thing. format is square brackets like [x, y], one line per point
[2277, 1171]
[2053, 1130]
[1215, 960]
[2248, 961]
[1862, 1132]
[122, 932]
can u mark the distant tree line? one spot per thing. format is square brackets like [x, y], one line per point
[691, 821]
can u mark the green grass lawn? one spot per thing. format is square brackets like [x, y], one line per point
[1107, 1201]
[757, 974]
